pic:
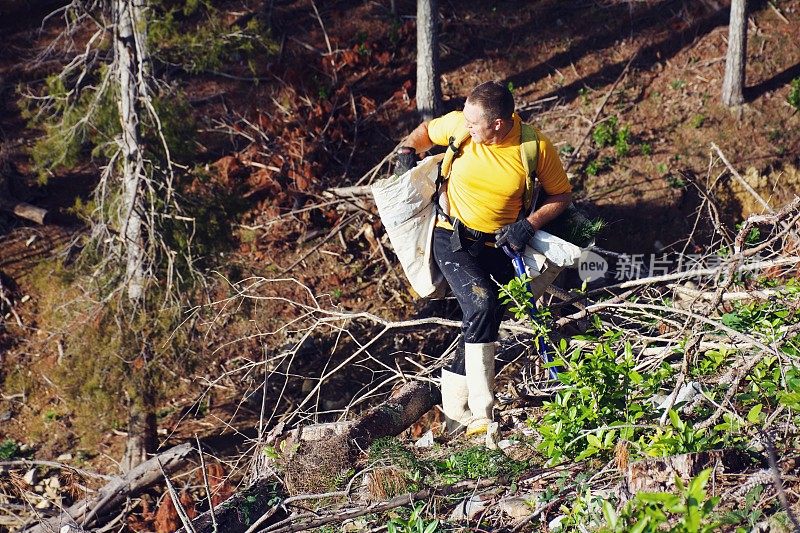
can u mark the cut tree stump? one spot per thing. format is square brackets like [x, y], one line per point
[314, 466]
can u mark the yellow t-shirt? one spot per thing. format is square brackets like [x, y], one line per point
[487, 180]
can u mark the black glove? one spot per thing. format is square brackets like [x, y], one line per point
[515, 235]
[404, 160]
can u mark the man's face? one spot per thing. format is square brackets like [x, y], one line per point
[480, 128]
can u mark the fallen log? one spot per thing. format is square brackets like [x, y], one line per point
[89, 512]
[24, 210]
[314, 467]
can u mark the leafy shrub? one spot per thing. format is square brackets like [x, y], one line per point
[605, 133]
[598, 166]
[794, 94]
[621, 143]
[688, 511]
[8, 449]
[478, 462]
[415, 523]
[210, 42]
[680, 437]
[601, 392]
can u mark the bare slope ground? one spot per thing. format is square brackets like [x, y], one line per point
[327, 109]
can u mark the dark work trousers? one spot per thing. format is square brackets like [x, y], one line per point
[474, 282]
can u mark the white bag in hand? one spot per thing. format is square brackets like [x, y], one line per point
[405, 205]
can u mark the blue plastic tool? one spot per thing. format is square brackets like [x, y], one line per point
[519, 269]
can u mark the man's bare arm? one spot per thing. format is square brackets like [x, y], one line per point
[552, 207]
[419, 139]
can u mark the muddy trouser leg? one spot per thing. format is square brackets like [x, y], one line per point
[470, 279]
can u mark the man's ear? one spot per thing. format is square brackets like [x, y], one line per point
[497, 125]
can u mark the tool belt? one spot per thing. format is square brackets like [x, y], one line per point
[464, 237]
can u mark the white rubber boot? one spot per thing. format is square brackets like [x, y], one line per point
[479, 363]
[454, 402]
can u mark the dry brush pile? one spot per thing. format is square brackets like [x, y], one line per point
[675, 408]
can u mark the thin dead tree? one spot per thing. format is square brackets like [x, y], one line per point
[130, 66]
[429, 91]
[733, 83]
[134, 263]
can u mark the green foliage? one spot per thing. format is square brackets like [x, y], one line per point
[605, 133]
[710, 361]
[585, 513]
[753, 236]
[677, 84]
[598, 166]
[688, 511]
[763, 316]
[676, 182]
[697, 121]
[680, 437]
[608, 133]
[764, 381]
[647, 149]
[621, 142]
[747, 516]
[83, 122]
[478, 462]
[75, 122]
[390, 450]
[415, 523]
[9, 449]
[602, 394]
[791, 396]
[516, 296]
[794, 94]
[107, 361]
[198, 38]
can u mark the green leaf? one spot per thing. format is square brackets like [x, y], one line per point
[433, 526]
[675, 419]
[610, 514]
[753, 414]
[641, 525]
[588, 452]
[594, 441]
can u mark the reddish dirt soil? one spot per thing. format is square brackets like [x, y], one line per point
[319, 119]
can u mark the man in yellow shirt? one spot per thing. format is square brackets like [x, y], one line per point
[481, 210]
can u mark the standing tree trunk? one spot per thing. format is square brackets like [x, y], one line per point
[129, 48]
[733, 84]
[128, 69]
[429, 91]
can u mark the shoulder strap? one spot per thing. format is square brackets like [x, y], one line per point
[454, 145]
[529, 152]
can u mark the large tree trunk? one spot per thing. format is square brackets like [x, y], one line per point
[429, 92]
[733, 84]
[130, 50]
[314, 465]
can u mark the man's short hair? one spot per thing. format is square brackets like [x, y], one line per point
[494, 98]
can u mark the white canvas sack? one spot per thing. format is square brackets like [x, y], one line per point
[406, 209]
[546, 247]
